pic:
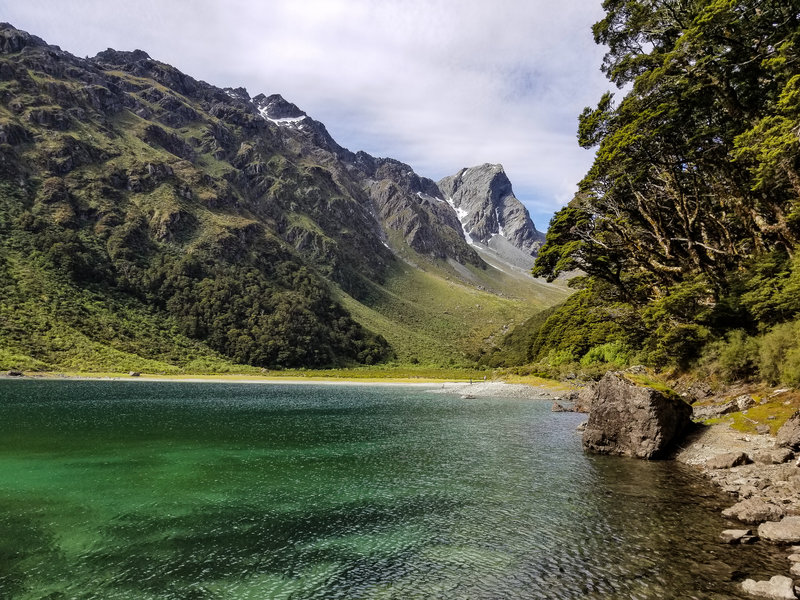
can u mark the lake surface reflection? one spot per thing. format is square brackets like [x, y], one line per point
[236, 491]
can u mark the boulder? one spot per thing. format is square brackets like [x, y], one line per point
[778, 587]
[558, 407]
[744, 402]
[14, 373]
[773, 457]
[712, 411]
[785, 531]
[788, 435]
[631, 420]
[795, 569]
[753, 511]
[727, 460]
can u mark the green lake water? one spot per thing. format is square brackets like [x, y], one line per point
[157, 490]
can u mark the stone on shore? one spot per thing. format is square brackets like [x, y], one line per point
[789, 433]
[631, 420]
[744, 402]
[773, 457]
[753, 511]
[778, 587]
[734, 536]
[795, 569]
[727, 460]
[701, 413]
[785, 531]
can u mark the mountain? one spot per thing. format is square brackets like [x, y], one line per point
[491, 215]
[155, 221]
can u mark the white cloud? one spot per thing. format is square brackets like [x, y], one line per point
[440, 84]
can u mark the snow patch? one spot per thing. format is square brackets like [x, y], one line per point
[462, 217]
[500, 229]
[284, 121]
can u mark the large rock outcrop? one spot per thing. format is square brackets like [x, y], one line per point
[490, 213]
[631, 420]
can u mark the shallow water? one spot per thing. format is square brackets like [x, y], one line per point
[207, 490]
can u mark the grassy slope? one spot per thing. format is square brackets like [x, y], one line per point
[431, 316]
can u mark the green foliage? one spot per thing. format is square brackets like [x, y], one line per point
[770, 287]
[779, 354]
[738, 356]
[691, 209]
[557, 358]
[615, 354]
[514, 348]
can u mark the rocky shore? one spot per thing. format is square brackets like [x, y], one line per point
[761, 472]
[747, 444]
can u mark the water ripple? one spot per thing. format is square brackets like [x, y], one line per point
[194, 491]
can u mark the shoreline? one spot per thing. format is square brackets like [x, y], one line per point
[761, 479]
[465, 388]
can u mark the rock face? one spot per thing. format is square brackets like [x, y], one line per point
[789, 433]
[630, 420]
[490, 213]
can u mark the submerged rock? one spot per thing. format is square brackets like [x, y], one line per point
[631, 420]
[778, 587]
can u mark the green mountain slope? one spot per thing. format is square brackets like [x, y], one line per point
[149, 221]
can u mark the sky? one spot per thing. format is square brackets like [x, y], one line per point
[437, 84]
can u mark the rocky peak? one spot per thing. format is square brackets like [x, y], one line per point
[276, 108]
[14, 40]
[121, 58]
[238, 93]
[484, 200]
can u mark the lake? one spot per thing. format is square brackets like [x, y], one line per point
[164, 490]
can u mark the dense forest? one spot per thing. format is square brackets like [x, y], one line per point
[685, 230]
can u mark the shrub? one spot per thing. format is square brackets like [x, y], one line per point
[738, 356]
[556, 358]
[615, 353]
[779, 354]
